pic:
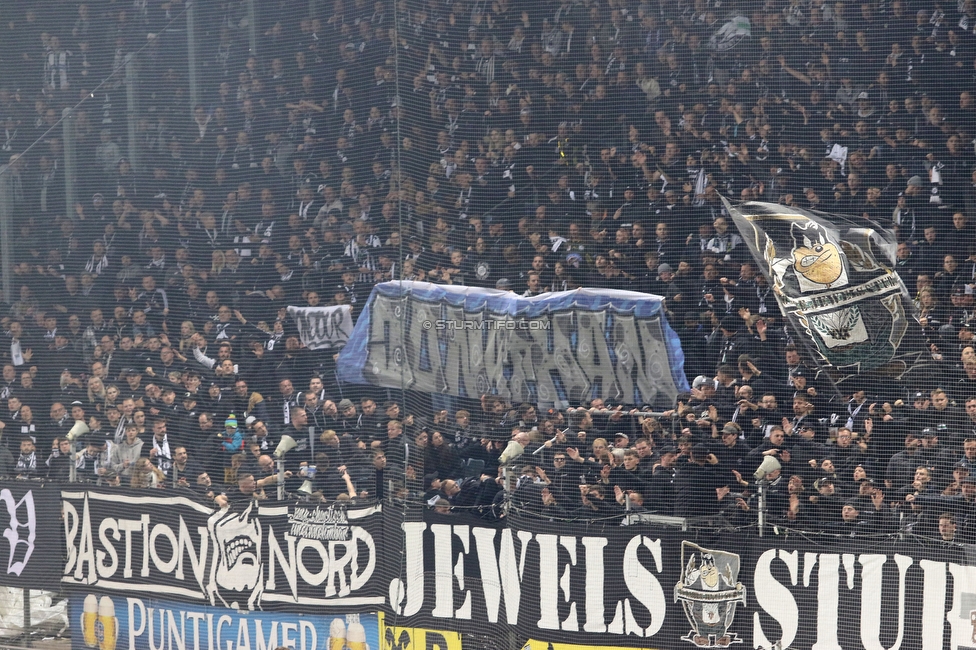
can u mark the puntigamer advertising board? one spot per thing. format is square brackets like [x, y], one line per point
[145, 623]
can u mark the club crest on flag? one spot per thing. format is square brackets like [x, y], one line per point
[834, 281]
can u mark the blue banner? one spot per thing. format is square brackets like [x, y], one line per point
[143, 623]
[554, 349]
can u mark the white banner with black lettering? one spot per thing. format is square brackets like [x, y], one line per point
[170, 545]
[322, 328]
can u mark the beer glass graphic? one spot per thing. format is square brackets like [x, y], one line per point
[337, 634]
[355, 633]
[107, 626]
[89, 615]
[348, 634]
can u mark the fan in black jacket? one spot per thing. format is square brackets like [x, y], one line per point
[695, 485]
[661, 484]
[59, 462]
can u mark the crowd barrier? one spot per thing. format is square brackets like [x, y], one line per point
[158, 570]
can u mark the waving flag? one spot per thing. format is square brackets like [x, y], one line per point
[834, 280]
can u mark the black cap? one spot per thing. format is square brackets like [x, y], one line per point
[700, 450]
[731, 323]
[668, 449]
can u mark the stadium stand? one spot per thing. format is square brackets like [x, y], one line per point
[529, 147]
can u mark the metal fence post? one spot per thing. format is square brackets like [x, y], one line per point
[70, 163]
[281, 478]
[27, 617]
[191, 54]
[73, 458]
[252, 28]
[6, 230]
[132, 111]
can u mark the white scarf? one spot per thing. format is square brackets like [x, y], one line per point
[27, 462]
[164, 460]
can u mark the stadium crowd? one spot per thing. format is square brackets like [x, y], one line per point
[528, 147]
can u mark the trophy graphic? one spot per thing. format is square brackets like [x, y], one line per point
[709, 591]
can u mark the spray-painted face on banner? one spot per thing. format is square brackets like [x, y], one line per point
[237, 569]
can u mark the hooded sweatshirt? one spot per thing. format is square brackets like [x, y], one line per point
[125, 451]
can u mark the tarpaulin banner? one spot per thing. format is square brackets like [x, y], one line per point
[29, 523]
[262, 557]
[551, 349]
[176, 569]
[834, 280]
[116, 622]
[321, 328]
[651, 587]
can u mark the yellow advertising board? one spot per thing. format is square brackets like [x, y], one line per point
[394, 637]
[415, 638]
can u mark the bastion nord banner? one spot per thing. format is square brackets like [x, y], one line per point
[266, 557]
